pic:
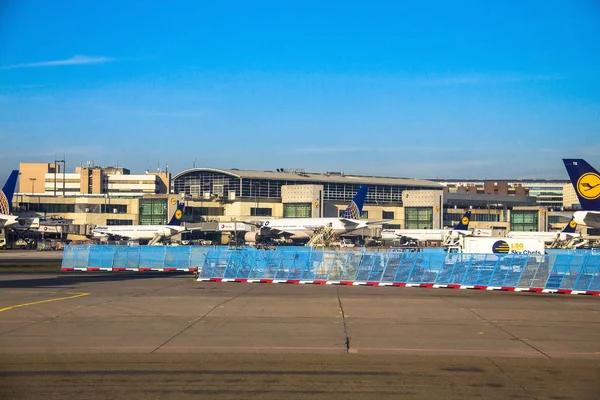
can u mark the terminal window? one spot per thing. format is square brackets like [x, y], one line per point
[119, 222]
[153, 211]
[418, 217]
[261, 212]
[388, 215]
[524, 221]
[297, 210]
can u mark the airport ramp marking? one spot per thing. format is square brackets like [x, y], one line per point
[43, 301]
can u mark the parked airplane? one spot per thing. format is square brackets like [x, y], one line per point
[6, 195]
[549, 237]
[142, 232]
[411, 235]
[586, 181]
[304, 228]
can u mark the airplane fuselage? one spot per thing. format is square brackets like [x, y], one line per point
[302, 228]
[136, 232]
[421, 234]
[547, 237]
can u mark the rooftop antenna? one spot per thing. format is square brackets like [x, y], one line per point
[194, 163]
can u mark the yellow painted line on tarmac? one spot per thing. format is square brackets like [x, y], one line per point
[44, 301]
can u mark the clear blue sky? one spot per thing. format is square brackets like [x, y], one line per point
[473, 89]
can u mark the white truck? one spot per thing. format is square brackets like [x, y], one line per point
[498, 245]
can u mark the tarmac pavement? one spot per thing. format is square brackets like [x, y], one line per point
[163, 335]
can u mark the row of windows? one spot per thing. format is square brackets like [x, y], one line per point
[49, 208]
[261, 212]
[451, 218]
[215, 183]
[297, 210]
[119, 222]
[199, 211]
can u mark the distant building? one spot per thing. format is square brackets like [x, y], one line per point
[548, 192]
[570, 199]
[49, 180]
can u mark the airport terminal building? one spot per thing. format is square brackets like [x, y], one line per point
[93, 195]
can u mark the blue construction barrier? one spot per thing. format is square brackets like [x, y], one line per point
[568, 272]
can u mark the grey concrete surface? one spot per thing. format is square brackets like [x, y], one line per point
[159, 335]
[30, 257]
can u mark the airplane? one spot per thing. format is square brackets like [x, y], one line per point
[300, 229]
[549, 237]
[408, 235]
[586, 182]
[142, 232]
[6, 195]
[17, 223]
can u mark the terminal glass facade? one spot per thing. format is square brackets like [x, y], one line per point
[418, 217]
[297, 210]
[153, 211]
[209, 183]
[524, 221]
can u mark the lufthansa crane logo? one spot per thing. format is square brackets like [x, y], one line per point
[573, 224]
[500, 247]
[178, 214]
[465, 221]
[588, 186]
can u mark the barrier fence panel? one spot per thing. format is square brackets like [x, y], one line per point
[564, 272]
[102, 258]
[589, 278]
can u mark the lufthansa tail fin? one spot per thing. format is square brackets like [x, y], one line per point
[7, 192]
[354, 209]
[586, 182]
[178, 215]
[570, 227]
[463, 224]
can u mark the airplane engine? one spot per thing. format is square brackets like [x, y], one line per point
[252, 237]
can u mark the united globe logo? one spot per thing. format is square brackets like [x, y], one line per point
[500, 247]
[4, 205]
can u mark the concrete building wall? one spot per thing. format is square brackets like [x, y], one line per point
[32, 177]
[312, 194]
[570, 199]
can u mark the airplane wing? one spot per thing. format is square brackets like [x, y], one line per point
[592, 219]
[383, 221]
[347, 222]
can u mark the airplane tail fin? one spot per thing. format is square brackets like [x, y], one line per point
[8, 192]
[178, 215]
[586, 182]
[463, 224]
[354, 209]
[570, 228]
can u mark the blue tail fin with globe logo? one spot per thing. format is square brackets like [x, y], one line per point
[8, 192]
[354, 209]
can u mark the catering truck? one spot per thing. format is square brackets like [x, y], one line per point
[498, 245]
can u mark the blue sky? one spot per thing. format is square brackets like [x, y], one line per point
[423, 89]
